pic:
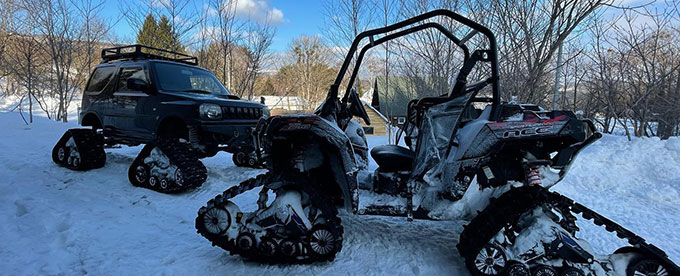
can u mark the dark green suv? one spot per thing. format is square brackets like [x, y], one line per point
[143, 95]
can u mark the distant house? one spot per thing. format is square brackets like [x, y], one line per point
[378, 121]
[391, 98]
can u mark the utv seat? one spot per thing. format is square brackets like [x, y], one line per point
[392, 158]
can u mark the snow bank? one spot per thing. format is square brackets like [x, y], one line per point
[636, 184]
[10, 103]
[56, 221]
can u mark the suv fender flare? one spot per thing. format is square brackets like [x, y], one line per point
[92, 119]
[338, 148]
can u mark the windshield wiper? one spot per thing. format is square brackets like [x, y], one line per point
[198, 91]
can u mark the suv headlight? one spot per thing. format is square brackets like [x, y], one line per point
[210, 111]
[265, 112]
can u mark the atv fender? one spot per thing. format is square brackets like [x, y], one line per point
[287, 130]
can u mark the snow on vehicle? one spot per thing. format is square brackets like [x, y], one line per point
[470, 157]
[143, 95]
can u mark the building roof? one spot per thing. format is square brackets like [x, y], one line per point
[376, 111]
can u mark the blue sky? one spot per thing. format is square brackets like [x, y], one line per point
[293, 17]
[298, 18]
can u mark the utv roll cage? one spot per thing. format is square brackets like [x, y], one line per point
[469, 60]
[137, 52]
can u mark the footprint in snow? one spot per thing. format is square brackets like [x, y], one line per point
[21, 209]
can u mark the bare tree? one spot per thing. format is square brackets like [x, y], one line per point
[7, 12]
[530, 32]
[255, 50]
[635, 84]
[28, 68]
[67, 31]
[237, 47]
[228, 32]
[344, 20]
[309, 74]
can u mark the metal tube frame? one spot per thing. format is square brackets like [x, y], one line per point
[493, 50]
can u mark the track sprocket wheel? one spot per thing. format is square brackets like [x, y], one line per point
[490, 260]
[216, 220]
[642, 266]
[321, 241]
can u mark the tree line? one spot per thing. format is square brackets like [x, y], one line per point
[619, 65]
[47, 48]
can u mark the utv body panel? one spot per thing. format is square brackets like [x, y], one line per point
[285, 130]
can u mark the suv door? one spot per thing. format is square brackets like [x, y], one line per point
[129, 110]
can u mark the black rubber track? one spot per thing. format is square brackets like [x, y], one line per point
[180, 155]
[507, 209]
[90, 146]
[329, 212]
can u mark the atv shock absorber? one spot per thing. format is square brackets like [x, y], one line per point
[532, 175]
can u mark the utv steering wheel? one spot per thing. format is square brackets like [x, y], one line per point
[356, 107]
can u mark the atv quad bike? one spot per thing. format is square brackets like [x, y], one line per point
[181, 112]
[492, 166]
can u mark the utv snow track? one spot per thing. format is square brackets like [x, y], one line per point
[507, 209]
[168, 166]
[272, 248]
[80, 149]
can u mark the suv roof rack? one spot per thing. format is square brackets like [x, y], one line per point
[137, 51]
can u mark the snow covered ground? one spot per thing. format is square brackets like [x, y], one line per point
[54, 221]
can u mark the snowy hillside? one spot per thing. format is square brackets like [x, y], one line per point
[56, 221]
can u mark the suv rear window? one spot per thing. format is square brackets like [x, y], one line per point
[100, 77]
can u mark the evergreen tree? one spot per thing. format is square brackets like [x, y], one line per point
[147, 35]
[159, 34]
[167, 37]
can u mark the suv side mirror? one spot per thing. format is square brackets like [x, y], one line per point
[137, 84]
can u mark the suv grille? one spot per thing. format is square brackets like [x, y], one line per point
[245, 113]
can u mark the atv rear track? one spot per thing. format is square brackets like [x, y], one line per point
[222, 223]
[505, 211]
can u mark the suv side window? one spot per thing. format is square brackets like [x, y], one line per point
[130, 72]
[99, 79]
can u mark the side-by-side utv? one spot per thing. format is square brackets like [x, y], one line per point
[470, 156]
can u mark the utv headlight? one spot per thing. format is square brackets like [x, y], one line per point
[210, 111]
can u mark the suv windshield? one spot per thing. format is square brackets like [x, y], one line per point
[175, 77]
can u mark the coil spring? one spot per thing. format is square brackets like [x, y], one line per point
[533, 175]
[194, 139]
